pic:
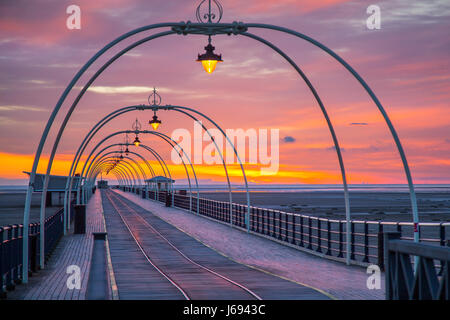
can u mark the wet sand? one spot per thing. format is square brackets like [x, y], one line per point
[375, 206]
[12, 205]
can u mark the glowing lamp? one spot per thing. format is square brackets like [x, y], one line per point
[155, 122]
[209, 59]
[137, 142]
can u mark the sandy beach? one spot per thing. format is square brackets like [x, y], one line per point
[375, 206]
[12, 205]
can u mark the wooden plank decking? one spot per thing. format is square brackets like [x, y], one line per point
[73, 249]
[135, 279]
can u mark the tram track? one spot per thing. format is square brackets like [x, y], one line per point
[212, 281]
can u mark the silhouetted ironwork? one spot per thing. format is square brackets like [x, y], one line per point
[427, 283]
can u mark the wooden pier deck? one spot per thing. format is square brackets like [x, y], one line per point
[168, 253]
[194, 270]
[73, 249]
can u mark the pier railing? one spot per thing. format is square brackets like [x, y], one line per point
[429, 280]
[321, 236]
[11, 240]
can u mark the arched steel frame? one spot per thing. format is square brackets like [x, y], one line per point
[155, 154]
[152, 172]
[163, 136]
[185, 28]
[126, 169]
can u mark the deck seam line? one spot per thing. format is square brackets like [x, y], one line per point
[112, 278]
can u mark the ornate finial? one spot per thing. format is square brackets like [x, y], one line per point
[136, 125]
[155, 97]
[210, 16]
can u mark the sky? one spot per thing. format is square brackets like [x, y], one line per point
[405, 62]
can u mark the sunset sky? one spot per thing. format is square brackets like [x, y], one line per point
[406, 63]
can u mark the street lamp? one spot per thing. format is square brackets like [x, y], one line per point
[136, 127]
[209, 59]
[136, 141]
[155, 122]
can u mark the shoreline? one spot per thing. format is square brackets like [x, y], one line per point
[364, 205]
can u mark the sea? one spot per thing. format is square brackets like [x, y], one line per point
[395, 188]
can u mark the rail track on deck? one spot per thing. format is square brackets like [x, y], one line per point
[192, 279]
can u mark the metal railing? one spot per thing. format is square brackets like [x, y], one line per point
[429, 280]
[322, 236]
[11, 238]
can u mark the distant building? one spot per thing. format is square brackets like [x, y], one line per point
[102, 184]
[160, 183]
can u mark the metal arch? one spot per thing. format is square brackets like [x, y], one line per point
[124, 180]
[221, 158]
[112, 152]
[106, 167]
[88, 172]
[117, 175]
[86, 141]
[112, 116]
[124, 177]
[173, 143]
[53, 153]
[118, 168]
[330, 128]
[247, 218]
[157, 157]
[374, 99]
[74, 104]
[50, 123]
[152, 172]
[139, 177]
[128, 131]
[84, 196]
[127, 169]
[170, 175]
[208, 28]
[118, 179]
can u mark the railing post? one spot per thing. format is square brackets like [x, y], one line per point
[265, 221]
[293, 240]
[352, 233]
[17, 274]
[319, 235]
[388, 262]
[366, 242]
[309, 233]
[279, 225]
[341, 239]
[380, 246]
[441, 234]
[2, 262]
[328, 253]
[286, 227]
[272, 227]
[300, 229]
[9, 279]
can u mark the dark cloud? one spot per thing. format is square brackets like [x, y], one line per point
[359, 124]
[289, 139]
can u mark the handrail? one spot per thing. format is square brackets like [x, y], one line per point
[11, 239]
[320, 235]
